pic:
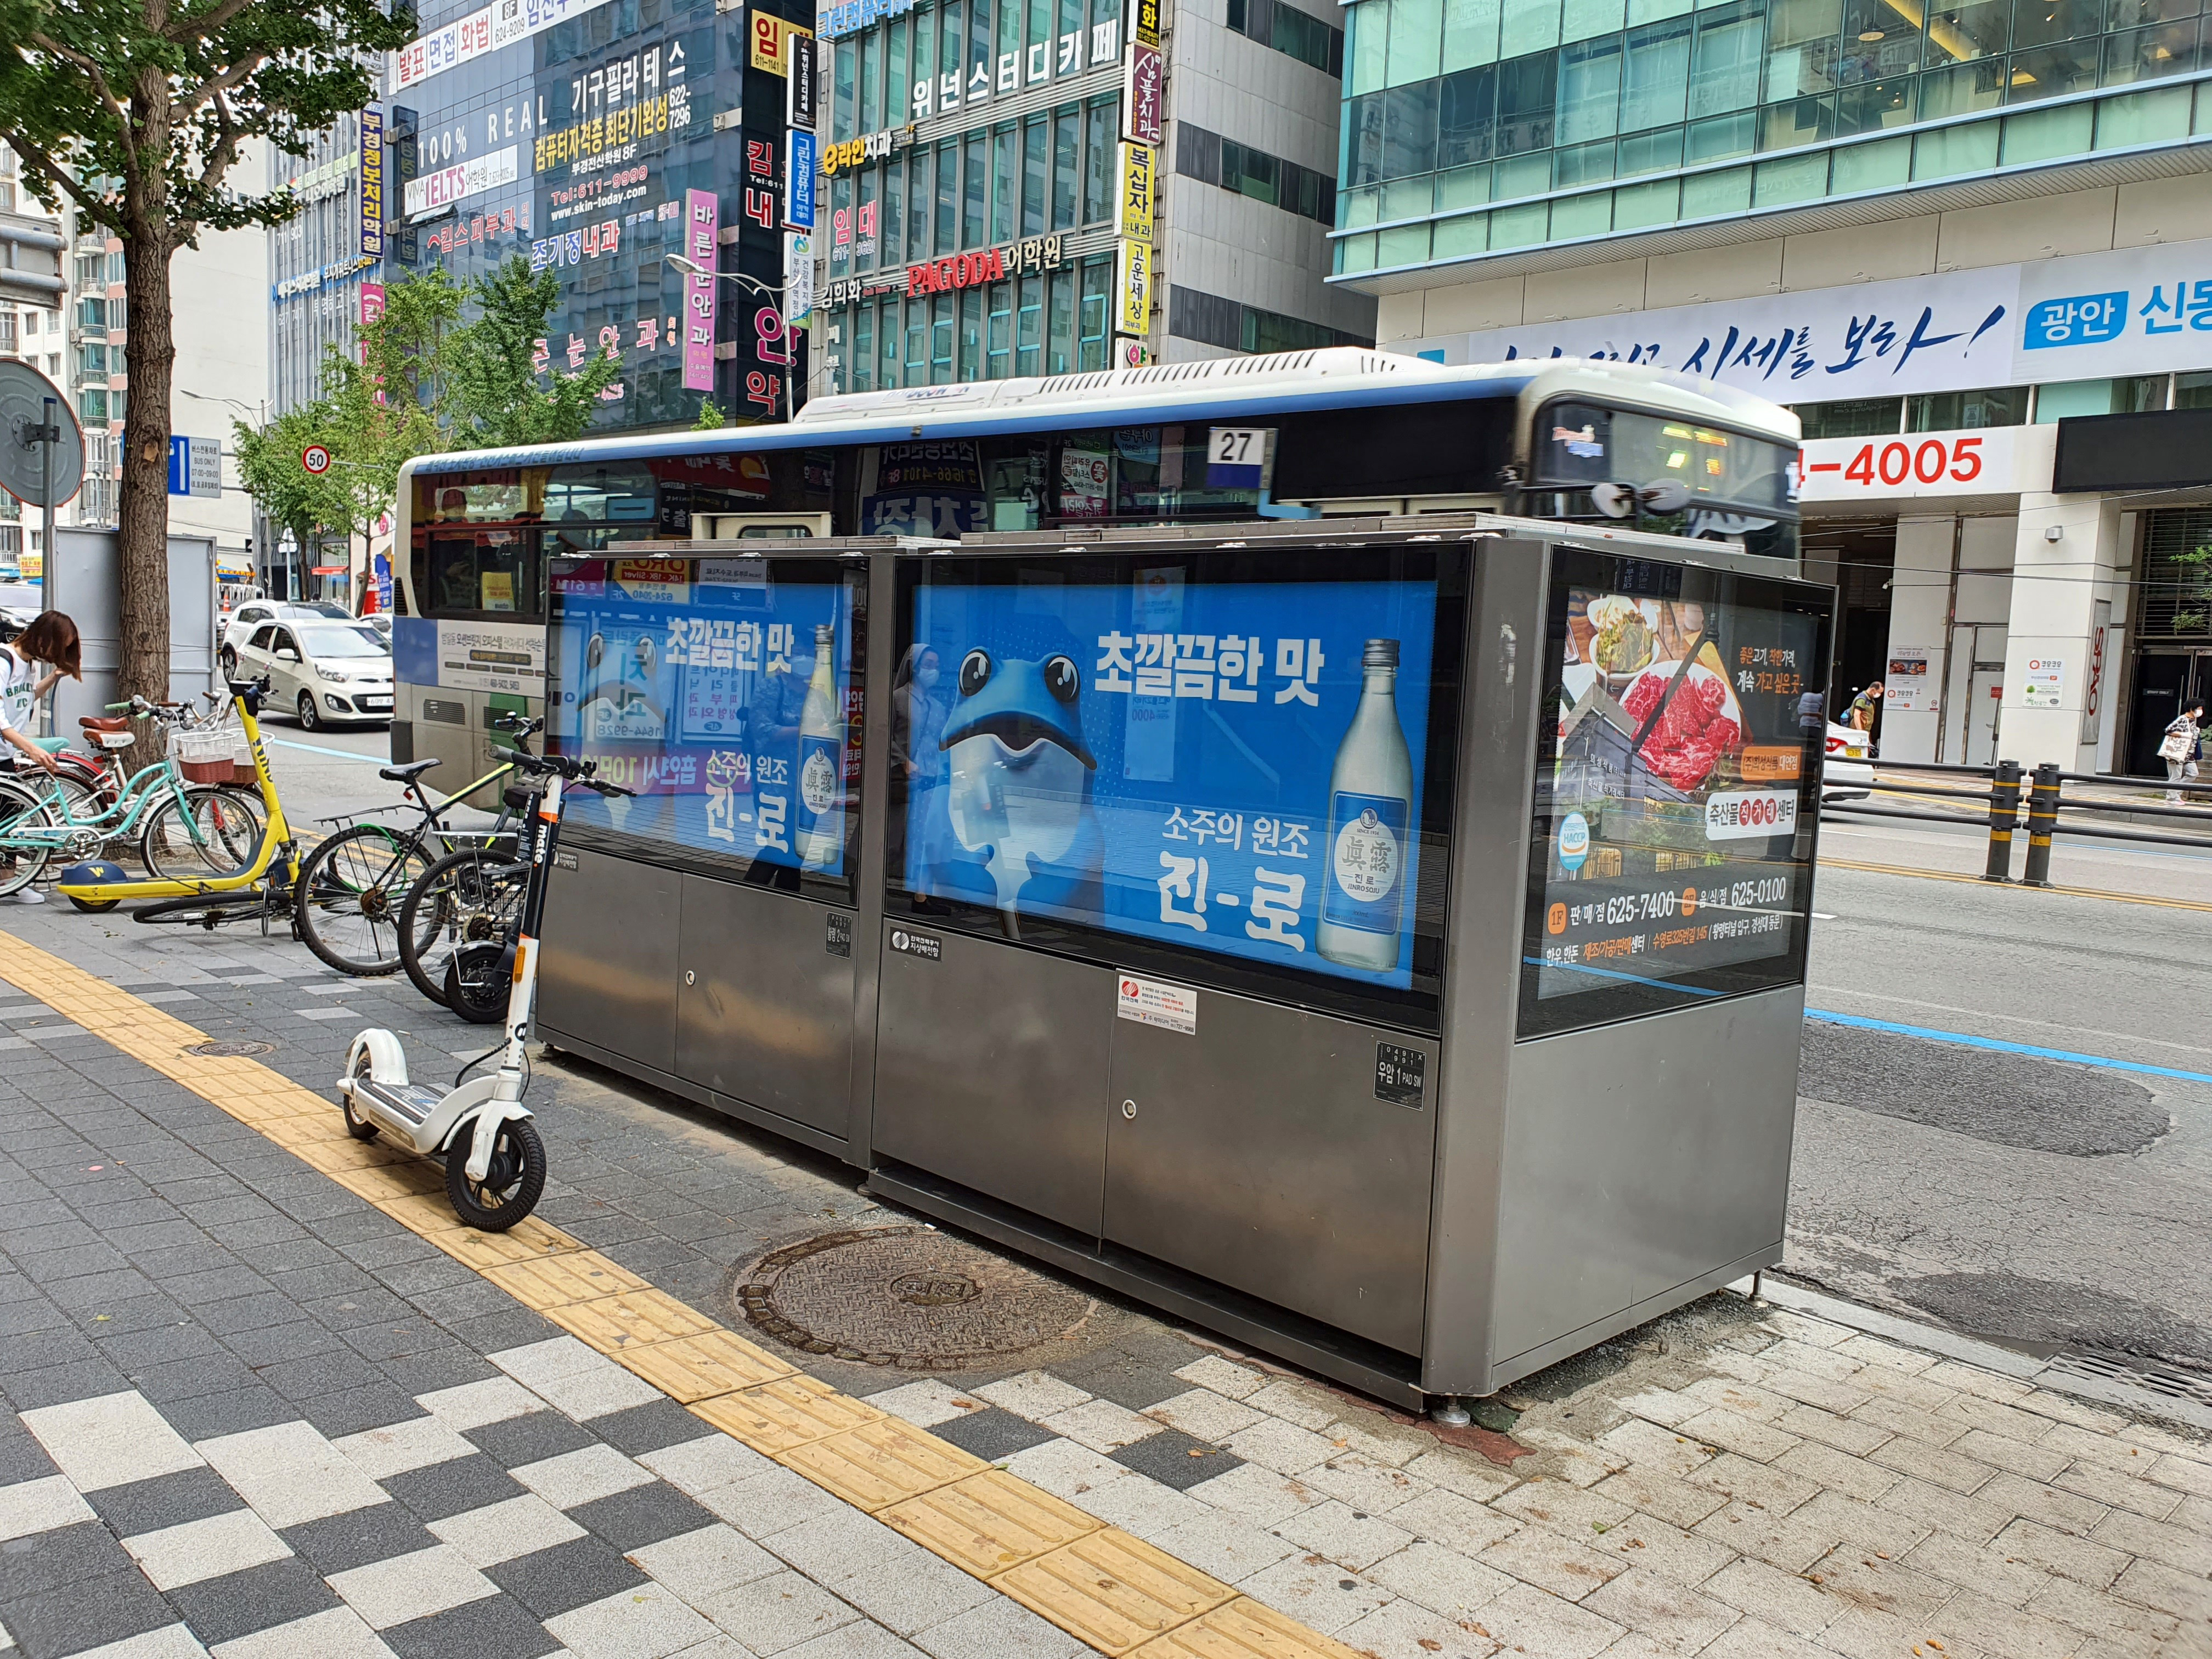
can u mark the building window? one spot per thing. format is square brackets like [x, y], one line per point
[1241, 168]
[1211, 319]
[2134, 394]
[1855, 417]
[92, 405]
[1951, 411]
[1279, 24]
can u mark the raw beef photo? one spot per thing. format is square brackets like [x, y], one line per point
[1695, 731]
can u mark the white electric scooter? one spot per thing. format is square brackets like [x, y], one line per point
[499, 1181]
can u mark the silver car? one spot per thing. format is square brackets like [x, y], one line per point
[241, 624]
[328, 673]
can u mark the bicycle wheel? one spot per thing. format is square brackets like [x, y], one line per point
[348, 895]
[24, 850]
[208, 910]
[216, 834]
[467, 897]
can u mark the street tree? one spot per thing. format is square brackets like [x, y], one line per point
[493, 394]
[135, 113]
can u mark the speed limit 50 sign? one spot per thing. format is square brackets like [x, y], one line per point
[316, 459]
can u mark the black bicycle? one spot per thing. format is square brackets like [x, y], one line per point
[353, 885]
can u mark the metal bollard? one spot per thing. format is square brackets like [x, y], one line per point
[2042, 820]
[2004, 813]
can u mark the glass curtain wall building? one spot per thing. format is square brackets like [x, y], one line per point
[995, 127]
[1484, 126]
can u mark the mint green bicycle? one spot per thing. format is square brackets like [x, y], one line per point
[183, 829]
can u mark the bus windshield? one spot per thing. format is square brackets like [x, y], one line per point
[1678, 476]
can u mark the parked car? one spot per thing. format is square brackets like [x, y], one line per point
[1848, 772]
[253, 613]
[325, 672]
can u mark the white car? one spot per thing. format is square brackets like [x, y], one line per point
[326, 672]
[1847, 774]
[248, 617]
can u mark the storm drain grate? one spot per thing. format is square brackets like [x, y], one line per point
[234, 1049]
[2158, 1379]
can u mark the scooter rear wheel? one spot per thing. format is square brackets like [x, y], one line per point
[511, 1186]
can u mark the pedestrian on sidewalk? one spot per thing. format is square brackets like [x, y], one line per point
[1864, 706]
[50, 641]
[2179, 750]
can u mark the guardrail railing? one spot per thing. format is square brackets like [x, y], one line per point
[2050, 812]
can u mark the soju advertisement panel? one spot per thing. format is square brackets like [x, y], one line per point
[1680, 798]
[1233, 766]
[722, 691]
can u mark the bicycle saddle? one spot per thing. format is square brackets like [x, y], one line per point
[408, 773]
[104, 722]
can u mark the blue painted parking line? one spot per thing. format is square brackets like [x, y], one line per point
[1997, 1045]
[317, 749]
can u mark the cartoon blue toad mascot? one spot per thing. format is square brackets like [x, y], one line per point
[1020, 788]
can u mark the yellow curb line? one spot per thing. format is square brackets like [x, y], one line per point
[2016, 886]
[1098, 1583]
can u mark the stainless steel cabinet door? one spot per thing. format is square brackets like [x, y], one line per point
[1255, 1151]
[765, 1011]
[991, 1070]
[608, 972]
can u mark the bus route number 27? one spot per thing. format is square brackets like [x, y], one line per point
[1930, 461]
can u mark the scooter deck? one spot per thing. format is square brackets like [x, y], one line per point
[414, 1102]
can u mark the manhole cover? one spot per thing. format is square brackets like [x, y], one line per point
[237, 1049]
[908, 1296]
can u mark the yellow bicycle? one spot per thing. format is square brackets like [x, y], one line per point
[261, 886]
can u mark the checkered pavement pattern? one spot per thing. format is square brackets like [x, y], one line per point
[559, 1507]
[1742, 1483]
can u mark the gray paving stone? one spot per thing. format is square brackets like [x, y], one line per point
[166, 1500]
[453, 1487]
[552, 1582]
[238, 1604]
[339, 1543]
[497, 1627]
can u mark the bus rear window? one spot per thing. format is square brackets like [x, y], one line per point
[485, 572]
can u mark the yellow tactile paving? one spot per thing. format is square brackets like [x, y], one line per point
[1113, 1591]
[557, 1281]
[525, 1240]
[632, 1319]
[989, 1522]
[699, 1367]
[787, 1412]
[388, 1180]
[881, 1463]
[1245, 1629]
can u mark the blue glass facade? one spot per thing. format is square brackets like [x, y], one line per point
[1485, 126]
[578, 146]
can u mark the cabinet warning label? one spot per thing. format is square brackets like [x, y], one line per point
[1155, 1002]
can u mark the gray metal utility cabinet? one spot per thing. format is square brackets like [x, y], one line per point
[1380, 941]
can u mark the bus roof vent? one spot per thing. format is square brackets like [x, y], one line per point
[1028, 392]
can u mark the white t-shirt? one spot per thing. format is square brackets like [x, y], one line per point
[19, 685]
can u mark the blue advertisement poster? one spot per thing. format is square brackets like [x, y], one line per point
[721, 694]
[1233, 767]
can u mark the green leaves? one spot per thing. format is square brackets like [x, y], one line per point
[423, 380]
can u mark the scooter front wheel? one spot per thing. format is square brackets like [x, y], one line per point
[512, 1183]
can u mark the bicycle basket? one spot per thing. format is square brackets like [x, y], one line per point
[204, 757]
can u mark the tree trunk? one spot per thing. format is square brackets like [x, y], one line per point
[142, 505]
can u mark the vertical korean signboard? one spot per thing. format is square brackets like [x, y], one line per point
[1133, 288]
[702, 225]
[372, 182]
[1144, 74]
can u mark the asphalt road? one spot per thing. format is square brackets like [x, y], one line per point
[2037, 1200]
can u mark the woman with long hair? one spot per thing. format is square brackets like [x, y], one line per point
[51, 643]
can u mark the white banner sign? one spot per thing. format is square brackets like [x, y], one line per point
[500, 24]
[2136, 311]
[447, 186]
[1997, 461]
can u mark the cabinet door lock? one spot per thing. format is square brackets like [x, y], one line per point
[1128, 1109]
[689, 976]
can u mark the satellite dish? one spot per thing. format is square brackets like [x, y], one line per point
[23, 466]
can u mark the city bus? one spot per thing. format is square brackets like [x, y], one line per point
[1340, 431]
